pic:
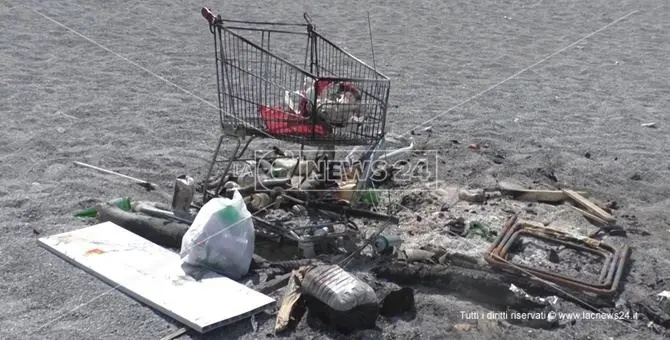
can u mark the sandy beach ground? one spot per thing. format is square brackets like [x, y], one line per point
[549, 86]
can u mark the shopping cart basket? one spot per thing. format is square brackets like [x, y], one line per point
[329, 98]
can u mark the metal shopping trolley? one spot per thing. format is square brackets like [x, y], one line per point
[288, 82]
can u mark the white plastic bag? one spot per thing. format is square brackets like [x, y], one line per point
[300, 102]
[340, 104]
[221, 237]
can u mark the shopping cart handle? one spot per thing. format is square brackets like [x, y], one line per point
[208, 15]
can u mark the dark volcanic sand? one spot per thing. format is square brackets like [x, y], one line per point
[62, 98]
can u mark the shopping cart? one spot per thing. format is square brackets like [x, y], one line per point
[324, 98]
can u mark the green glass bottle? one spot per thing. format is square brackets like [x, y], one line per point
[122, 202]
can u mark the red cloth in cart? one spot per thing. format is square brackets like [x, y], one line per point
[282, 123]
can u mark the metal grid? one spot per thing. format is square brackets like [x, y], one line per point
[257, 65]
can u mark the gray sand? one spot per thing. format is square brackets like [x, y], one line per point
[62, 98]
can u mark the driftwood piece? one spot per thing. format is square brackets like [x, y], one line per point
[160, 231]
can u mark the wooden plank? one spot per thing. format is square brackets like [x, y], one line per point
[153, 275]
[590, 216]
[590, 206]
[521, 194]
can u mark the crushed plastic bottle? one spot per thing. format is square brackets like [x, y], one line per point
[337, 288]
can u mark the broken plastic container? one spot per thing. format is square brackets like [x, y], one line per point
[337, 288]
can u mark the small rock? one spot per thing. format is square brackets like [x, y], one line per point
[587, 155]
[445, 207]
[475, 146]
[462, 327]
[418, 218]
[457, 226]
[636, 177]
[474, 195]
[612, 205]
[553, 256]
[649, 125]
[60, 129]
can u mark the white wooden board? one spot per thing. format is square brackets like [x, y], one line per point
[153, 275]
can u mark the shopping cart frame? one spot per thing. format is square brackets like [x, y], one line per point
[238, 121]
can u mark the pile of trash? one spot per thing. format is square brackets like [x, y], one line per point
[308, 242]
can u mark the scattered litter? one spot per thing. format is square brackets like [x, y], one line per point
[481, 230]
[312, 204]
[184, 191]
[146, 185]
[387, 244]
[649, 125]
[549, 301]
[417, 255]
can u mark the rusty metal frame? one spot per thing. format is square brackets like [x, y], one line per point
[606, 273]
[613, 266]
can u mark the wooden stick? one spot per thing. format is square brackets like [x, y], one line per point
[176, 334]
[589, 215]
[147, 185]
[590, 206]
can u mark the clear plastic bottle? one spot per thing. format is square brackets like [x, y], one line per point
[337, 288]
